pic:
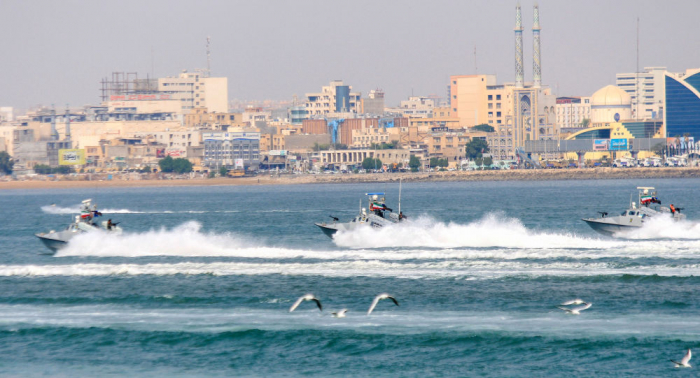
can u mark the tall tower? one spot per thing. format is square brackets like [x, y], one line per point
[54, 132]
[67, 123]
[519, 75]
[536, 69]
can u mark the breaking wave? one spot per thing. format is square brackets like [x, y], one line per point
[458, 269]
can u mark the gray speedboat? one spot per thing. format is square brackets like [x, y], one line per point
[85, 222]
[647, 206]
[378, 216]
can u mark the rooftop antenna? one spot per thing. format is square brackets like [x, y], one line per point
[208, 57]
[152, 66]
[636, 84]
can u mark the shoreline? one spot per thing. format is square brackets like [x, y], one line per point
[292, 179]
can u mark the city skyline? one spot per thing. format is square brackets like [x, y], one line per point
[63, 49]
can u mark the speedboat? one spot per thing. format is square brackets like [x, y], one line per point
[378, 216]
[647, 206]
[85, 222]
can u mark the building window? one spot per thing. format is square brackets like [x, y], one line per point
[498, 97]
[490, 97]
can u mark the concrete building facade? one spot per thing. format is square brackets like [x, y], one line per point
[339, 158]
[373, 105]
[195, 90]
[571, 112]
[231, 149]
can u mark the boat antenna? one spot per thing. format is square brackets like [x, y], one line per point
[399, 195]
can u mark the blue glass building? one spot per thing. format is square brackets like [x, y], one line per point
[682, 110]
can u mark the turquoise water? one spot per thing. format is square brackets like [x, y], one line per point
[202, 280]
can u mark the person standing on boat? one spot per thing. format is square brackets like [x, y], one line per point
[673, 209]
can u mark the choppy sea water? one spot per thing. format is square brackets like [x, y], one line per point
[202, 280]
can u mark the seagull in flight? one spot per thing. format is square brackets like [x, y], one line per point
[307, 297]
[684, 361]
[573, 302]
[576, 310]
[379, 298]
[340, 314]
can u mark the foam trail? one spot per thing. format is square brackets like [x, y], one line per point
[664, 227]
[493, 230]
[188, 239]
[184, 240]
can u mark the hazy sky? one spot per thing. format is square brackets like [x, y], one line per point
[58, 51]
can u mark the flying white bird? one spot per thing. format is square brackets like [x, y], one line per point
[573, 302]
[379, 298]
[340, 314]
[307, 297]
[576, 310]
[684, 361]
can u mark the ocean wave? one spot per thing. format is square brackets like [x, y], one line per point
[392, 320]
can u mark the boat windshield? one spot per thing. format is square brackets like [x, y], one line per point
[624, 212]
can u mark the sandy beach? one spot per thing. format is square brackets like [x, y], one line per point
[292, 179]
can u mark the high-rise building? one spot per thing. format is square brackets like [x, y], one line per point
[646, 89]
[333, 99]
[196, 90]
[682, 104]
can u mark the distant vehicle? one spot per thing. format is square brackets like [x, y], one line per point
[652, 162]
[235, 173]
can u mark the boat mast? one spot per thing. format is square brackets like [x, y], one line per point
[399, 195]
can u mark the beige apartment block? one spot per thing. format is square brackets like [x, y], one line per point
[415, 107]
[572, 111]
[440, 117]
[256, 116]
[200, 117]
[177, 142]
[195, 90]
[450, 145]
[6, 138]
[468, 99]
[145, 104]
[365, 138]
